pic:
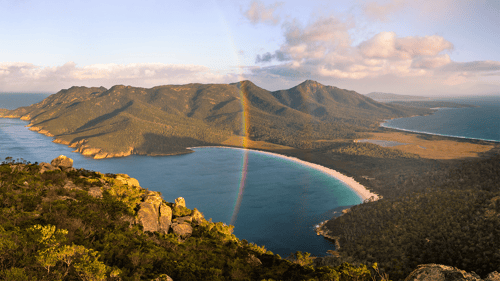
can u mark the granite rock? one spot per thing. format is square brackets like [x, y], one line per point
[62, 162]
[438, 272]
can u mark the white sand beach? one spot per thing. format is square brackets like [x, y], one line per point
[360, 190]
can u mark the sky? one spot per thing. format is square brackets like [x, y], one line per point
[412, 47]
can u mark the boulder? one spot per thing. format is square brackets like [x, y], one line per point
[165, 219]
[95, 191]
[70, 185]
[493, 276]
[154, 214]
[438, 272]
[46, 167]
[182, 229]
[186, 219]
[125, 179]
[163, 277]
[197, 216]
[148, 216]
[62, 162]
[180, 202]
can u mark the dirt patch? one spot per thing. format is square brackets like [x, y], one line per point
[445, 148]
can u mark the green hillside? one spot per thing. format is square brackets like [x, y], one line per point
[62, 223]
[167, 119]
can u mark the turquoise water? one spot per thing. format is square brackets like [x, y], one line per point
[482, 122]
[278, 205]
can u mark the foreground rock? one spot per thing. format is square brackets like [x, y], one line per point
[62, 162]
[438, 272]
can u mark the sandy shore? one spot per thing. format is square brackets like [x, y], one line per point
[360, 190]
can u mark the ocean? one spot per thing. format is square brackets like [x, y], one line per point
[482, 122]
[278, 206]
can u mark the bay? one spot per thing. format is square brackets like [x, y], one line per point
[277, 206]
[482, 122]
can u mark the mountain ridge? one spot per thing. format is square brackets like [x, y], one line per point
[168, 119]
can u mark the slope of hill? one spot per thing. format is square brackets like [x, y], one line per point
[167, 119]
[62, 223]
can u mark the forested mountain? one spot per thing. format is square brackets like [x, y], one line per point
[166, 119]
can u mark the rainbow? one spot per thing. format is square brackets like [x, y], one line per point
[245, 118]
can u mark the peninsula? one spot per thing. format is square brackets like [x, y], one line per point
[165, 120]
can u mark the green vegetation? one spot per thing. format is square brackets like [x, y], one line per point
[167, 119]
[371, 150]
[453, 220]
[53, 228]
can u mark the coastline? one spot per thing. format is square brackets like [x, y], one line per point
[362, 192]
[433, 134]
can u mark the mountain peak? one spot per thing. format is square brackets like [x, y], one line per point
[310, 83]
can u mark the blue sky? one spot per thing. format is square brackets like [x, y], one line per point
[422, 47]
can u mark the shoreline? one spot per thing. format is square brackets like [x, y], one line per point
[434, 134]
[360, 190]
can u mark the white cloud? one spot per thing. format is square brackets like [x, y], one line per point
[19, 76]
[322, 50]
[387, 45]
[259, 13]
[430, 9]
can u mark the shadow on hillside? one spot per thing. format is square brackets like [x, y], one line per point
[105, 117]
[155, 144]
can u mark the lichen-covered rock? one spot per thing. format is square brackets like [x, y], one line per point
[186, 219]
[493, 276]
[438, 272]
[154, 214]
[126, 179]
[165, 219]
[62, 162]
[70, 185]
[46, 167]
[182, 229]
[163, 277]
[148, 216]
[180, 202]
[95, 191]
[197, 216]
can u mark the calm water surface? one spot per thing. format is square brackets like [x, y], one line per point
[280, 201]
[481, 122]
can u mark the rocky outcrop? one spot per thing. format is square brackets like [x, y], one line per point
[97, 153]
[154, 214]
[126, 179]
[183, 230]
[163, 277]
[493, 276]
[62, 162]
[438, 272]
[180, 202]
[157, 215]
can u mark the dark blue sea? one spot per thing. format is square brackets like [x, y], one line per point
[278, 204]
[482, 122]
